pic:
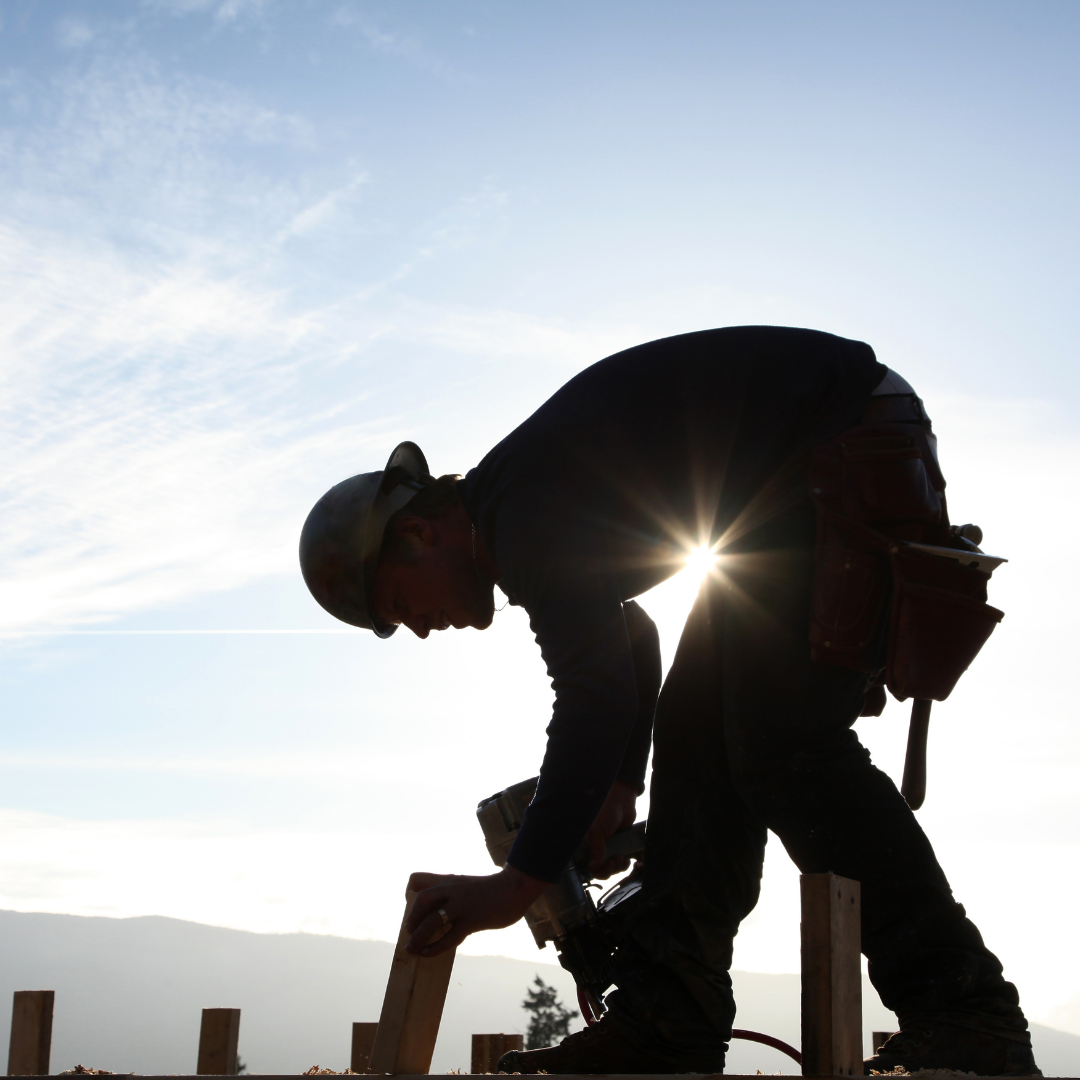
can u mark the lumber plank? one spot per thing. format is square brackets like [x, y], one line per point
[412, 1007]
[878, 1039]
[574, 1076]
[570, 1076]
[218, 1037]
[363, 1039]
[831, 976]
[487, 1049]
[31, 1033]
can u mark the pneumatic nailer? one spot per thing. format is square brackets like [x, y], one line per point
[585, 933]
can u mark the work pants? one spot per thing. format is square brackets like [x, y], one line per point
[752, 737]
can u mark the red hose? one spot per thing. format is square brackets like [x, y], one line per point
[737, 1033]
[768, 1040]
[586, 1008]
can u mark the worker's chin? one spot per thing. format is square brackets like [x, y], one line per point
[483, 611]
[476, 607]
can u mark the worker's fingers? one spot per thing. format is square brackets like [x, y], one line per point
[419, 882]
[425, 933]
[612, 866]
[427, 901]
[450, 940]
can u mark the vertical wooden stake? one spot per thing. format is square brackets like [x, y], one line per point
[218, 1037]
[363, 1039]
[831, 976]
[487, 1049]
[412, 1008]
[31, 1033]
[878, 1039]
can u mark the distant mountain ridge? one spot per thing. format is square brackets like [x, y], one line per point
[129, 995]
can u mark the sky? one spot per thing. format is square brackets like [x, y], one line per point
[247, 246]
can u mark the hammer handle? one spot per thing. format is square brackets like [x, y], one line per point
[913, 787]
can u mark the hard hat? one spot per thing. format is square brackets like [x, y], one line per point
[341, 539]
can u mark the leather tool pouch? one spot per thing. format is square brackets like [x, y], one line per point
[939, 621]
[879, 605]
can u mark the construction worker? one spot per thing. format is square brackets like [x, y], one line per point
[698, 440]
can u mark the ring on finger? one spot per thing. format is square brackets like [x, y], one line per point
[446, 920]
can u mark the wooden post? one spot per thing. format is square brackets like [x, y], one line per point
[412, 1007]
[878, 1039]
[831, 976]
[31, 1033]
[487, 1049]
[363, 1039]
[218, 1037]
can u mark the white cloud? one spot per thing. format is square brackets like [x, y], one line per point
[323, 211]
[112, 152]
[151, 420]
[168, 411]
[224, 11]
[506, 335]
[405, 47]
[146, 419]
[73, 33]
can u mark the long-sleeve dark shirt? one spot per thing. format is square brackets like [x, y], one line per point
[604, 490]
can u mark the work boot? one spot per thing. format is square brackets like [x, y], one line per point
[602, 1048]
[927, 1044]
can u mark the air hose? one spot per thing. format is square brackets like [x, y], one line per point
[737, 1033]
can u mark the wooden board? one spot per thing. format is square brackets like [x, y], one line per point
[831, 976]
[31, 1033]
[412, 1008]
[878, 1040]
[218, 1037]
[363, 1039]
[487, 1049]
[569, 1076]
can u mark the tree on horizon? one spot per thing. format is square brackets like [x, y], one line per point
[549, 1020]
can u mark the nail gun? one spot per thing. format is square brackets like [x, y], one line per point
[585, 933]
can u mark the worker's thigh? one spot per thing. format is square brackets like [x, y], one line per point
[794, 759]
[786, 720]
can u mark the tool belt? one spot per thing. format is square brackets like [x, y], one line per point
[881, 606]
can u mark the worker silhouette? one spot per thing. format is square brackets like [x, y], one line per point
[705, 439]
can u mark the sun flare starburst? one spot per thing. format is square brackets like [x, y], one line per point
[701, 561]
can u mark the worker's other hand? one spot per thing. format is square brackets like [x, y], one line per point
[470, 903]
[618, 812]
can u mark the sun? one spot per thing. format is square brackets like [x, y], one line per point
[700, 562]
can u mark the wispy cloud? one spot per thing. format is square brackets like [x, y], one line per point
[225, 11]
[404, 46]
[72, 33]
[342, 765]
[152, 444]
[323, 211]
[168, 409]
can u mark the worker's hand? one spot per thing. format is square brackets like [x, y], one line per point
[618, 812]
[470, 903]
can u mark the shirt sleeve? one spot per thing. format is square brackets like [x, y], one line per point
[648, 675]
[555, 563]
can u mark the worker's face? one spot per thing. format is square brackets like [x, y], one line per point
[439, 588]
